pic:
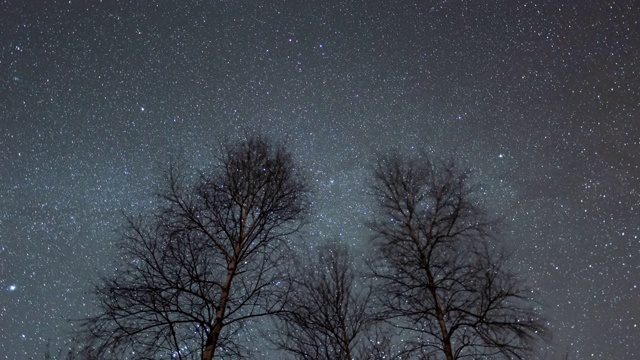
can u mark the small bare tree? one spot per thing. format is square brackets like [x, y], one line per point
[211, 257]
[439, 278]
[330, 315]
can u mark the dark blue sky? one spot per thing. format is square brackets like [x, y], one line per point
[539, 98]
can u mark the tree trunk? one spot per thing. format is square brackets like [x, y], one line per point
[446, 339]
[214, 335]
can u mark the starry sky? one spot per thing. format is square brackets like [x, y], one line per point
[540, 99]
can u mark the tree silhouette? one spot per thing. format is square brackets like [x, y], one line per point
[210, 257]
[330, 315]
[442, 278]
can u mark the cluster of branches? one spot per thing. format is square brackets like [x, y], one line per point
[442, 277]
[207, 260]
[330, 314]
[216, 255]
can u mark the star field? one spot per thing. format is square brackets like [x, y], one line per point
[539, 99]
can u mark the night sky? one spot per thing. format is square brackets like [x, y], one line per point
[540, 99]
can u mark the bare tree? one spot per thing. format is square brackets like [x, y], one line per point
[442, 278]
[211, 257]
[330, 315]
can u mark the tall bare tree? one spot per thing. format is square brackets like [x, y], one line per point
[211, 257]
[330, 315]
[442, 277]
